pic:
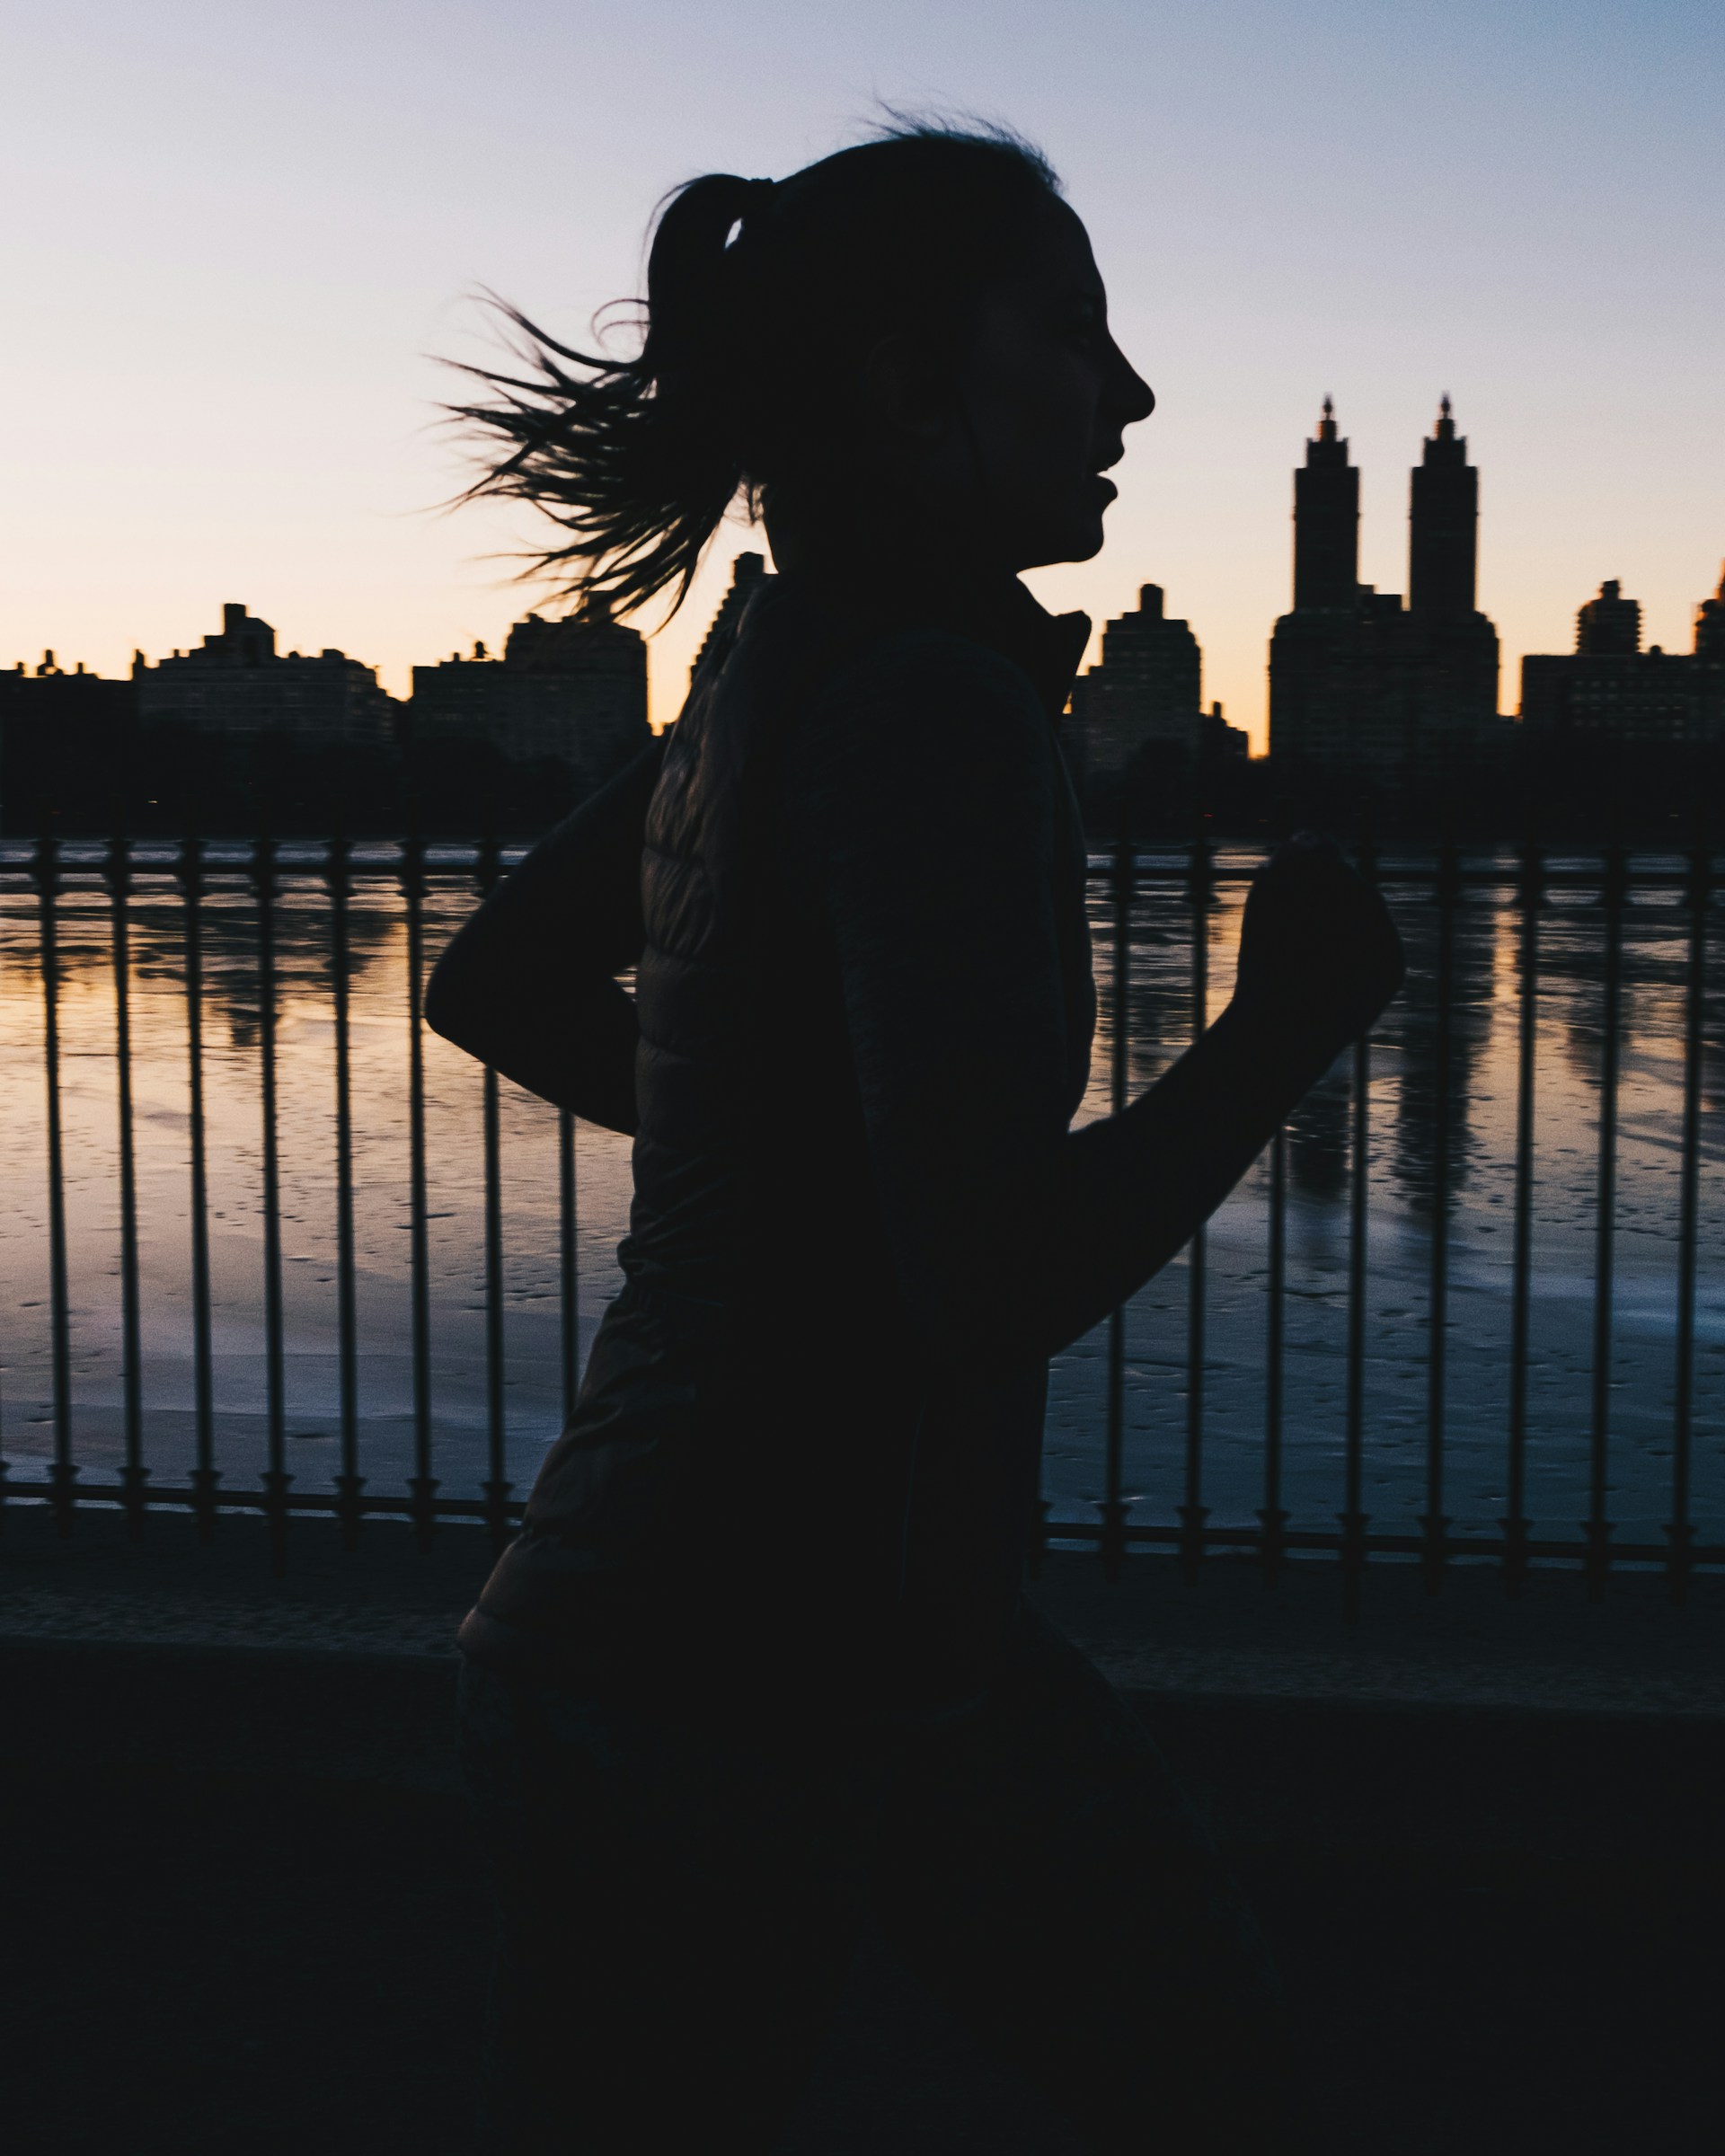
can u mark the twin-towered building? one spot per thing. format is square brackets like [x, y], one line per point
[1363, 685]
[1360, 681]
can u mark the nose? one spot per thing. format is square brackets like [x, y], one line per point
[1130, 395]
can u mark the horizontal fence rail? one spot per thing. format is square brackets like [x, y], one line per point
[297, 927]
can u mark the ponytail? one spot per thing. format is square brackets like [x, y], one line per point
[757, 292]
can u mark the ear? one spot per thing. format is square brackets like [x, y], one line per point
[907, 388]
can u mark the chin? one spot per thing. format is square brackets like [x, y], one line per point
[1079, 540]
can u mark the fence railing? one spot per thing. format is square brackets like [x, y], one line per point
[1444, 883]
[40, 881]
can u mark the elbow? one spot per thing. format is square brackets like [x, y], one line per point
[456, 1005]
[441, 1009]
[444, 1000]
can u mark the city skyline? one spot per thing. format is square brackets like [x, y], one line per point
[1438, 580]
[673, 648]
[242, 241]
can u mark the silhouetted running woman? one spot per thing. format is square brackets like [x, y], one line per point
[759, 1667]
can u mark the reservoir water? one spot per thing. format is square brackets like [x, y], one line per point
[1404, 1085]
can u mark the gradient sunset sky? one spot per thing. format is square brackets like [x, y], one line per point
[236, 237]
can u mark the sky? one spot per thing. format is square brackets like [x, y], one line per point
[239, 240]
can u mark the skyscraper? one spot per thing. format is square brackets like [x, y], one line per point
[1326, 522]
[1361, 685]
[1146, 695]
[1443, 525]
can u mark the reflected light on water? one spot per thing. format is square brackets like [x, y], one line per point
[1482, 1074]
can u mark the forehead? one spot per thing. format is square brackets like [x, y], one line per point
[1057, 254]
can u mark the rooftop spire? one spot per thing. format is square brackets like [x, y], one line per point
[1443, 548]
[1326, 521]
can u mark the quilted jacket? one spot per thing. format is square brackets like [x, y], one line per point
[806, 1449]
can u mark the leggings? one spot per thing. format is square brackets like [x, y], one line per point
[680, 1899]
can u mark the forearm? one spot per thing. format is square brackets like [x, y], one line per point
[1124, 1195]
[1011, 1235]
[1017, 1265]
[1319, 959]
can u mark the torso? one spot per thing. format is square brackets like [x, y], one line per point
[756, 1443]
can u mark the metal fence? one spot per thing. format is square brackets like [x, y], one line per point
[46, 875]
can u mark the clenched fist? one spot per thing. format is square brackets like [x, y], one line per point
[1319, 954]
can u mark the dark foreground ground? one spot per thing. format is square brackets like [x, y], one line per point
[245, 1916]
[195, 1968]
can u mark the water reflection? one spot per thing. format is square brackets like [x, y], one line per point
[1319, 1137]
[1409, 1068]
[1414, 1031]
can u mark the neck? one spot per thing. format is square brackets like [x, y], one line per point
[860, 548]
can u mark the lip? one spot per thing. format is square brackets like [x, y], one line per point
[1104, 487]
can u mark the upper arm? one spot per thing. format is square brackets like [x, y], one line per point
[571, 909]
[528, 985]
[924, 791]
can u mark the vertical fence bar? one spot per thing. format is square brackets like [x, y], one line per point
[570, 1254]
[1193, 1511]
[1516, 1526]
[1681, 1530]
[1353, 1515]
[6, 1464]
[63, 1474]
[423, 1487]
[1113, 1541]
[350, 1482]
[134, 1475]
[205, 1474]
[1433, 1521]
[497, 1483]
[1597, 1526]
[1273, 1515]
[496, 1486]
[276, 1477]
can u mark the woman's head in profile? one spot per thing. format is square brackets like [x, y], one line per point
[904, 345]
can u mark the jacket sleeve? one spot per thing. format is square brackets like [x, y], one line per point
[924, 789]
[528, 983]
